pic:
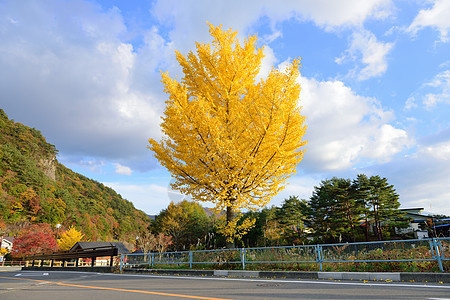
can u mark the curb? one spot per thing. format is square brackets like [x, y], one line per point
[360, 276]
[7, 269]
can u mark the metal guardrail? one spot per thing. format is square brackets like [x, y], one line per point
[433, 250]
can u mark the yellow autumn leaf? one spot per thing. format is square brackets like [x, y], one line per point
[230, 138]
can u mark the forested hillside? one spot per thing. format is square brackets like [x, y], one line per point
[36, 188]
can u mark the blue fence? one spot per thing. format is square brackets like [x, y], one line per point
[433, 250]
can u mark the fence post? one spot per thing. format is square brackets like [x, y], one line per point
[438, 251]
[153, 259]
[190, 259]
[243, 258]
[319, 256]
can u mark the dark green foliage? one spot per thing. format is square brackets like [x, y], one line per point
[334, 213]
[292, 215]
[23, 165]
[380, 205]
[255, 237]
[341, 210]
[35, 188]
[186, 222]
[268, 230]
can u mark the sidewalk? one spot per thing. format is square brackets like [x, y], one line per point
[361, 276]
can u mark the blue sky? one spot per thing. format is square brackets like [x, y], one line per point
[375, 85]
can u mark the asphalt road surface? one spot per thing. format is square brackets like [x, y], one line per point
[84, 285]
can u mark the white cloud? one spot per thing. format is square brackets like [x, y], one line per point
[297, 185]
[421, 179]
[432, 92]
[437, 17]
[188, 17]
[332, 14]
[269, 60]
[153, 197]
[429, 190]
[364, 46]
[95, 94]
[344, 128]
[410, 103]
[441, 84]
[66, 71]
[150, 198]
[386, 142]
[123, 170]
[154, 55]
[440, 151]
[93, 165]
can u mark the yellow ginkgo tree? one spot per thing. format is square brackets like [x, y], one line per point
[69, 238]
[230, 138]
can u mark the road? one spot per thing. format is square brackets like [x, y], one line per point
[84, 285]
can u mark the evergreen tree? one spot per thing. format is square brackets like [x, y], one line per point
[334, 213]
[291, 216]
[381, 205]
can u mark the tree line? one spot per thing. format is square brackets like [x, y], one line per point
[339, 210]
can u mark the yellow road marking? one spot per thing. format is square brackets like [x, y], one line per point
[115, 289]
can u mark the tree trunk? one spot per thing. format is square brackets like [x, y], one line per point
[230, 214]
[367, 228]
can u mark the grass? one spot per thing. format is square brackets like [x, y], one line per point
[376, 257]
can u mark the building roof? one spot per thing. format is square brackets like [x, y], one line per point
[414, 210]
[86, 245]
[9, 239]
[418, 213]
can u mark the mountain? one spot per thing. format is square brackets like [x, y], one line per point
[36, 188]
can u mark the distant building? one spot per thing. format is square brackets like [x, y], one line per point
[418, 216]
[7, 243]
[100, 261]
